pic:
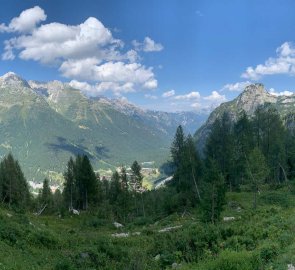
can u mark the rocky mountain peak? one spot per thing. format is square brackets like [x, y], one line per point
[255, 88]
[13, 80]
[253, 96]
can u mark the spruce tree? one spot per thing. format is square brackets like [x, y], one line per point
[15, 190]
[136, 183]
[69, 192]
[177, 146]
[257, 171]
[214, 192]
[46, 196]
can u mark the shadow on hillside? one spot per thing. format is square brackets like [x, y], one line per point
[63, 144]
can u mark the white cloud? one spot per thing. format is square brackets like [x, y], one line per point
[237, 87]
[150, 84]
[283, 63]
[196, 106]
[148, 45]
[168, 94]
[100, 88]
[26, 21]
[216, 97]
[89, 69]
[189, 96]
[85, 52]
[283, 93]
[58, 42]
[148, 96]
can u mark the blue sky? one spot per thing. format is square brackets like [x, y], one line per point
[167, 55]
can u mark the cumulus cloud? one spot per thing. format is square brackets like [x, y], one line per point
[283, 63]
[236, 87]
[58, 42]
[26, 21]
[100, 88]
[196, 106]
[168, 94]
[86, 53]
[283, 93]
[89, 69]
[216, 97]
[148, 45]
[189, 96]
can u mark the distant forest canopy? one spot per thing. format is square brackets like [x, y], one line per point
[241, 155]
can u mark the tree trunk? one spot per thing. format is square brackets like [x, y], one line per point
[213, 204]
[195, 182]
[86, 200]
[255, 198]
[143, 210]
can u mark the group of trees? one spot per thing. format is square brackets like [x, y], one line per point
[249, 151]
[198, 181]
[254, 150]
[120, 196]
[14, 189]
[81, 187]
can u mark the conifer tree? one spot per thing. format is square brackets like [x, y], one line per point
[69, 192]
[136, 182]
[81, 186]
[214, 192]
[177, 146]
[46, 196]
[188, 173]
[257, 171]
[15, 190]
[219, 146]
[115, 188]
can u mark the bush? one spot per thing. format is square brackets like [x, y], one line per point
[231, 260]
[44, 238]
[268, 252]
[275, 198]
[63, 265]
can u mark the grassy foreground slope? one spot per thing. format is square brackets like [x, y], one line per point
[261, 239]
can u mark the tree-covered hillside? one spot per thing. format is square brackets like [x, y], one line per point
[230, 208]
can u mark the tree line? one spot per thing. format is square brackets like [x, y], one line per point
[239, 154]
[242, 154]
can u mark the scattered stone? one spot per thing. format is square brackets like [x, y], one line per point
[9, 215]
[32, 224]
[84, 255]
[75, 212]
[176, 265]
[118, 225]
[120, 235]
[168, 229]
[228, 219]
[136, 233]
[157, 257]
[291, 267]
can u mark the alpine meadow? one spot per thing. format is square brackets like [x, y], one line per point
[147, 135]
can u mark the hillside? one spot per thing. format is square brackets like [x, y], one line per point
[43, 124]
[248, 242]
[252, 96]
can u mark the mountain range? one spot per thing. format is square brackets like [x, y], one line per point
[253, 96]
[44, 123]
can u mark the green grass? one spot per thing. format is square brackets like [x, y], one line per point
[261, 239]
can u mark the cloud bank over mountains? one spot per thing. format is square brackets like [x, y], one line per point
[86, 53]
